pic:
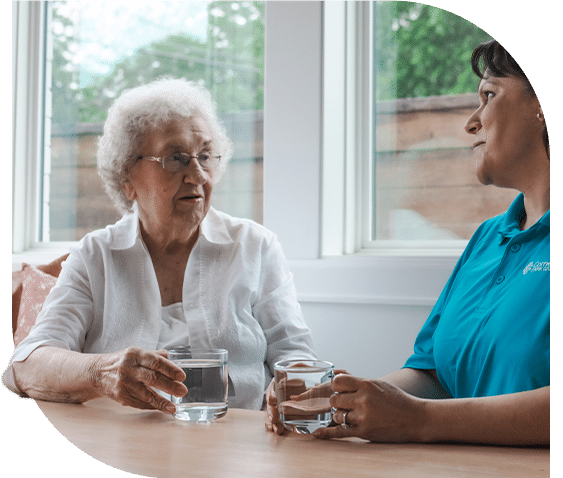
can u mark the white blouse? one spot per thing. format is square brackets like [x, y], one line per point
[177, 331]
[237, 288]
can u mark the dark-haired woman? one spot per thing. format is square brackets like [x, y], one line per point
[481, 363]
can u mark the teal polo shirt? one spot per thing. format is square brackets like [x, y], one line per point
[488, 333]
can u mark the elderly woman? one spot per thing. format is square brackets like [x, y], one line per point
[480, 371]
[172, 272]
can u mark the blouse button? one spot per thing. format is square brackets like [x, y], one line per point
[515, 247]
[500, 279]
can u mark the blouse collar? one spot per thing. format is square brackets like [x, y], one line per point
[127, 231]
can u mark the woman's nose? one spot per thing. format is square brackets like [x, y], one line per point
[194, 173]
[473, 123]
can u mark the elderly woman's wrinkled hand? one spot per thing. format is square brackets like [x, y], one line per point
[373, 410]
[128, 377]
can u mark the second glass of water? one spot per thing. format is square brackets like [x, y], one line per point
[303, 390]
[207, 383]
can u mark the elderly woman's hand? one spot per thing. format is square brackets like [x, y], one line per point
[128, 377]
[375, 410]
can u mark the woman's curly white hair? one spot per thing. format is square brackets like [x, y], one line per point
[138, 111]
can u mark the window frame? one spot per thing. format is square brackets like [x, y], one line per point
[29, 49]
[27, 72]
[312, 196]
[348, 138]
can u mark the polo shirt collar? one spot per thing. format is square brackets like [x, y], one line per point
[510, 225]
[545, 219]
[127, 231]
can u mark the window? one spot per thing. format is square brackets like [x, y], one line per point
[319, 132]
[406, 90]
[96, 50]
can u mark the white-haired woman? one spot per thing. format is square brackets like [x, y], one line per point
[172, 272]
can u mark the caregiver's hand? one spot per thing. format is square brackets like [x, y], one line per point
[375, 411]
[273, 421]
[128, 376]
[322, 390]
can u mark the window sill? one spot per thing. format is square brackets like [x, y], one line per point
[396, 280]
[40, 255]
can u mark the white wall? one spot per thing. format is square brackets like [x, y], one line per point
[292, 126]
[365, 312]
[366, 340]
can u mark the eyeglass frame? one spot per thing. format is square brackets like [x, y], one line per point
[162, 159]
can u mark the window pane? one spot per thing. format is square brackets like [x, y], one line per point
[99, 49]
[424, 184]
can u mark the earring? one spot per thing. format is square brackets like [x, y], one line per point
[540, 114]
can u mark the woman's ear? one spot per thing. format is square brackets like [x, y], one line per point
[129, 190]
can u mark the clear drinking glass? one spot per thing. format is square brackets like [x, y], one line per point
[207, 383]
[303, 390]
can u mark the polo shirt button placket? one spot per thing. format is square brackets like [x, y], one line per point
[515, 247]
[500, 279]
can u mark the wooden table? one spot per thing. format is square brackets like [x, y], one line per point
[153, 444]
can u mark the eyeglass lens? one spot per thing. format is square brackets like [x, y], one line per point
[179, 161]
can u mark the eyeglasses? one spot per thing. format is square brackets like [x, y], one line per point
[176, 162]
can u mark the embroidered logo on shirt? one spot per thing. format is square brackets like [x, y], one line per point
[536, 267]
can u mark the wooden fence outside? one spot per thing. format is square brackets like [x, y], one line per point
[424, 174]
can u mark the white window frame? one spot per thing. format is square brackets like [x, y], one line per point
[28, 143]
[348, 215]
[26, 119]
[306, 202]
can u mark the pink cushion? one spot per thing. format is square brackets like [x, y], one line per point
[36, 287]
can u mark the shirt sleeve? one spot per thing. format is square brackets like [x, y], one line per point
[423, 356]
[278, 312]
[64, 320]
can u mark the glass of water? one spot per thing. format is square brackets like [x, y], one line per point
[303, 390]
[207, 383]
